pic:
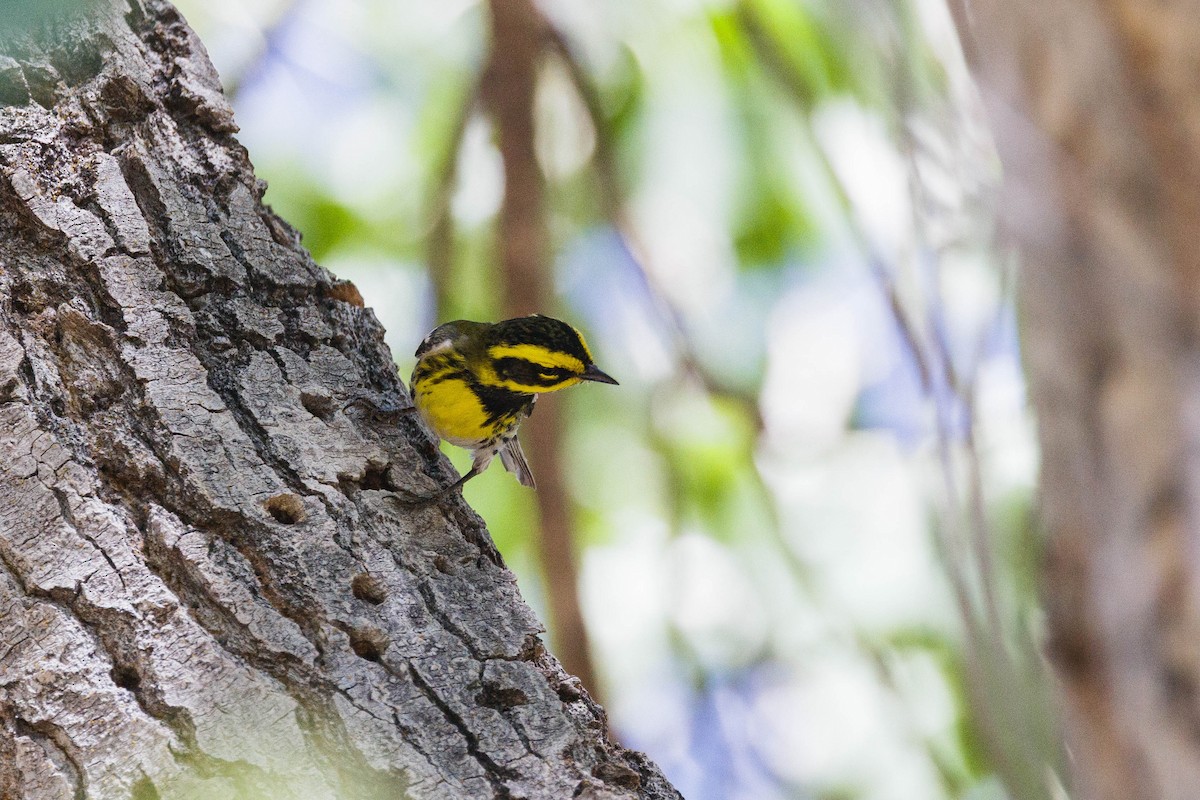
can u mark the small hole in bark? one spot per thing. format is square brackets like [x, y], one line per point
[366, 587]
[127, 678]
[286, 508]
[376, 477]
[368, 643]
[319, 405]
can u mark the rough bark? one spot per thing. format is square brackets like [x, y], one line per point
[1094, 106]
[207, 587]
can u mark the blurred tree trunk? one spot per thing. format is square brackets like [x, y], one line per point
[520, 42]
[205, 587]
[1095, 108]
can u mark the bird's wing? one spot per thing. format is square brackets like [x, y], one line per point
[513, 460]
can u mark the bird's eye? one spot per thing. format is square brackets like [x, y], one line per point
[508, 368]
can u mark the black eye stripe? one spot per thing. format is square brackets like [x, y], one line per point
[529, 373]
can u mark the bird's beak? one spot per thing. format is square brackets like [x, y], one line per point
[593, 373]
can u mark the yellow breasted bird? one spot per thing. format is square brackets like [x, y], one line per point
[476, 382]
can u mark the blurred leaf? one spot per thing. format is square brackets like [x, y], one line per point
[623, 94]
[610, 466]
[575, 202]
[808, 45]
[923, 69]
[1020, 542]
[708, 444]
[971, 744]
[324, 222]
[707, 475]
[769, 228]
[474, 293]
[771, 219]
[840, 793]
[439, 118]
[736, 53]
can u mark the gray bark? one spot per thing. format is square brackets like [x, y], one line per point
[206, 587]
[1094, 106]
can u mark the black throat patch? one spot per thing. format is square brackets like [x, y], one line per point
[501, 403]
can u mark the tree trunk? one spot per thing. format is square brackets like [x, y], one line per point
[1094, 108]
[207, 585]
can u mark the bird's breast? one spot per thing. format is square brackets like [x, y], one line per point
[453, 411]
[461, 410]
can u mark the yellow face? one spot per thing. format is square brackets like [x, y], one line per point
[531, 368]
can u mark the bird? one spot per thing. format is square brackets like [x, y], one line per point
[474, 383]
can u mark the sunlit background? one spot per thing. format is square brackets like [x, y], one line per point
[803, 521]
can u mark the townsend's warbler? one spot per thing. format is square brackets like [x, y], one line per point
[476, 382]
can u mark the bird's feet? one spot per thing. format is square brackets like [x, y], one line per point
[440, 494]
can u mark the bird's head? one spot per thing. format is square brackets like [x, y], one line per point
[537, 354]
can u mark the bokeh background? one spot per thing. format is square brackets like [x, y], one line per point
[799, 536]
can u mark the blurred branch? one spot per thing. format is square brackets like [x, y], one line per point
[614, 207]
[440, 247]
[997, 674]
[604, 160]
[977, 554]
[777, 66]
[931, 363]
[508, 87]
[614, 203]
[964, 23]
[772, 56]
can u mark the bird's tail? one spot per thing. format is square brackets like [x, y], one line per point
[514, 461]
